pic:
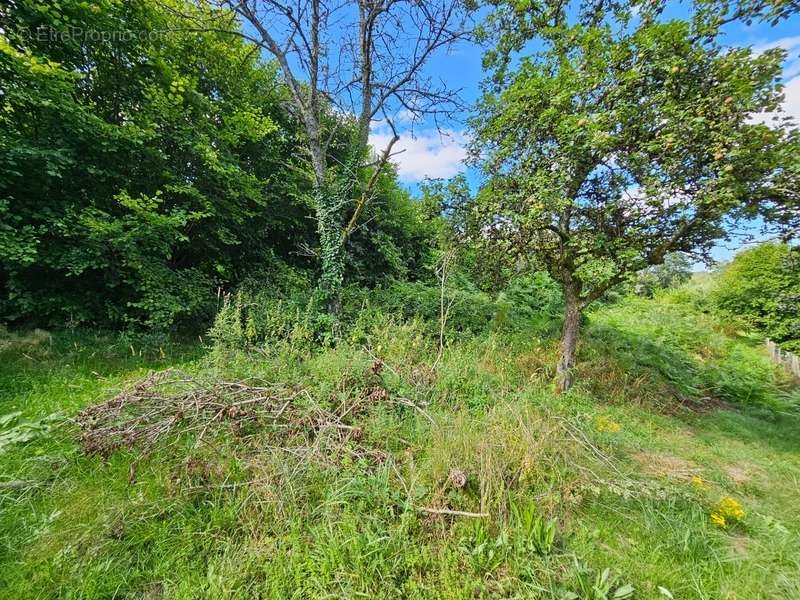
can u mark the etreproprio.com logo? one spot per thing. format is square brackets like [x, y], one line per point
[79, 34]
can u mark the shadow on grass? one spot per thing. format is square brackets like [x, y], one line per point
[60, 366]
[730, 390]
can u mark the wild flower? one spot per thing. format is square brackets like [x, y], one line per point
[718, 520]
[606, 424]
[731, 508]
[698, 482]
[726, 512]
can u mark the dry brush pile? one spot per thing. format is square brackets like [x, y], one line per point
[169, 406]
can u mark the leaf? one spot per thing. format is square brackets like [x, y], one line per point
[665, 592]
[626, 591]
[9, 418]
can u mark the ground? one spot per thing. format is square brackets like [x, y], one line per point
[674, 465]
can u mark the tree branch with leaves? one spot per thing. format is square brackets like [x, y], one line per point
[615, 146]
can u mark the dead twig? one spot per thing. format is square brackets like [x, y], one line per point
[447, 511]
[443, 274]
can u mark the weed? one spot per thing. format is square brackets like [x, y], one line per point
[539, 532]
[597, 585]
[297, 506]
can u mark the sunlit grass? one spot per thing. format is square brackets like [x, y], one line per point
[631, 466]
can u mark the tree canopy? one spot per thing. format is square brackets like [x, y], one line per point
[145, 167]
[761, 286]
[612, 147]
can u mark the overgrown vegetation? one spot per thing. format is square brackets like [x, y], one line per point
[281, 465]
[146, 166]
[761, 288]
[313, 384]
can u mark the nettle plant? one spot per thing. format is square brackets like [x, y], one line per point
[611, 148]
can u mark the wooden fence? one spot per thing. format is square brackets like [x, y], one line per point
[789, 360]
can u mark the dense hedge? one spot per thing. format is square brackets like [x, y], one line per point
[143, 172]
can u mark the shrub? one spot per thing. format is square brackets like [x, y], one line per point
[762, 287]
[528, 302]
[279, 309]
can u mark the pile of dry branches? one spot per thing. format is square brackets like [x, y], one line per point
[169, 404]
[171, 401]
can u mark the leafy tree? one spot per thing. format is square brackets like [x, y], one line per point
[395, 239]
[762, 286]
[145, 167]
[676, 269]
[616, 145]
[360, 58]
[140, 170]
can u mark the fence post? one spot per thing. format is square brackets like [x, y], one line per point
[788, 360]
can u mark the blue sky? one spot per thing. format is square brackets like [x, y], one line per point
[428, 152]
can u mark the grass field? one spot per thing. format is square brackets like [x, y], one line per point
[672, 470]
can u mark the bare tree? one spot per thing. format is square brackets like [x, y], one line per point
[358, 61]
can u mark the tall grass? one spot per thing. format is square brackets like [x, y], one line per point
[673, 412]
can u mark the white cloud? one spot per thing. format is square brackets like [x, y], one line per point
[428, 153]
[791, 77]
[791, 102]
[790, 106]
[787, 43]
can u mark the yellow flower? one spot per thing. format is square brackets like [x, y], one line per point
[606, 424]
[730, 509]
[698, 482]
[726, 512]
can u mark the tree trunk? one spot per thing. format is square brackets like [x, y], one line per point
[569, 342]
[329, 228]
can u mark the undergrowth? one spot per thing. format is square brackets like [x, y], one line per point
[380, 465]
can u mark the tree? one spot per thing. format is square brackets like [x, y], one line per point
[139, 172]
[364, 59]
[761, 286]
[618, 144]
[676, 269]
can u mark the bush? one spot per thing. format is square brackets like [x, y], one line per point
[762, 287]
[282, 308]
[278, 309]
[530, 302]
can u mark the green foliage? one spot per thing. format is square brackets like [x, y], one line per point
[612, 147]
[143, 172]
[530, 300]
[618, 141]
[674, 271]
[397, 237]
[539, 531]
[277, 311]
[287, 311]
[471, 311]
[244, 511]
[154, 181]
[597, 585]
[139, 173]
[13, 432]
[689, 351]
[761, 287]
